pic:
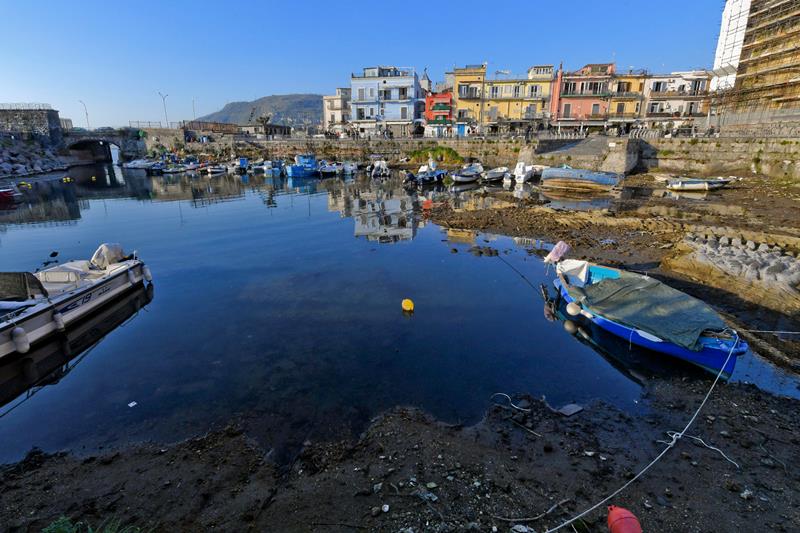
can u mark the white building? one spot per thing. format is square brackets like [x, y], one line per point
[386, 100]
[336, 110]
[729, 45]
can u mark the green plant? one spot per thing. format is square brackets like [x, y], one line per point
[665, 153]
[694, 141]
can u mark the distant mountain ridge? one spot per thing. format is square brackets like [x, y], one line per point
[289, 109]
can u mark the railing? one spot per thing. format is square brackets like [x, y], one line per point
[679, 94]
[623, 115]
[25, 106]
[601, 94]
[469, 96]
[626, 94]
[143, 124]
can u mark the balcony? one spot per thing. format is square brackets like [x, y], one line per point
[602, 94]
[678, 94]
[440, 121]
[441, 107]
[622, 116]
[676, 114]
[627, 95]
[469, 96]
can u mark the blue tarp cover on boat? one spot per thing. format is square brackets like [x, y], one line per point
[649, 305]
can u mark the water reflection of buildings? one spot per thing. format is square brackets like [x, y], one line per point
[200, 190]
[382, 212]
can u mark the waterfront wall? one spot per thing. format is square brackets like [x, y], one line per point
[774, 157]
[38, 123]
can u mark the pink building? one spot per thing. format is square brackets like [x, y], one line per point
[581, 98]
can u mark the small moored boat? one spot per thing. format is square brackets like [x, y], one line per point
[647, 313]
[305, 166]
[566, 177]
[697, 184]
[468, 173]
[496, 174]
[329, 170]
[34, 306]
[379, 169]
[523, 172]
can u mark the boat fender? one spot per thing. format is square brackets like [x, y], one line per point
[408, 305]
[570, 327]
[58, 318]
[573, 309]
[148, 276]
[621, 520]
[131, 276]
[20, 339]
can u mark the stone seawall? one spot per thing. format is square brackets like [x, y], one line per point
[701, 156]
[777, 158]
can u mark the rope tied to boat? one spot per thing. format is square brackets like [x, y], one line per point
[675, 436]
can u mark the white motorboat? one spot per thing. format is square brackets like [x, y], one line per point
[174, 169]
[34, 306]
[328, 170]
[349, 167]
[216, 169]
[523, 172]
[468, 173]
[496, 174]
[696, 184]
[262, 166]
[380, 169]
[143, 164]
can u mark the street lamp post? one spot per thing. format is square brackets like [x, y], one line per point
[86, 111]
[194, 113]
[164, 102]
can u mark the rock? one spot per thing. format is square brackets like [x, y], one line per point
[519, 528]
[385, 508]
[453, 250]
[431, 485]
[376, 488]
[737, 242]
[724, 241]
[375, 511]
[746, 494]
[750, 245]
[763, 247]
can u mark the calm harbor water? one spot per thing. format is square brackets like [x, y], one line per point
[277, 305]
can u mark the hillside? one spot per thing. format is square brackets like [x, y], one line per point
[284, 108]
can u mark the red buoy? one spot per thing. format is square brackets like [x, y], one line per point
[621, 520]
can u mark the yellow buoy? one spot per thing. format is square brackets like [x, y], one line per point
[408, 306]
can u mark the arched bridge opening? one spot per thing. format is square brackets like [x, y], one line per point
[99, 150]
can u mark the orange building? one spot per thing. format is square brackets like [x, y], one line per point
[439, 108]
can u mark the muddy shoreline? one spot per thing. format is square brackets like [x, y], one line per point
[531, 467]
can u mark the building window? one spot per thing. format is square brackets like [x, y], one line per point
[620, 108]
[533, 91]
[385, 94]
[372, 92]
[360, 113]
[361, 94]
[403, 93]
[371, 112]
[595, 109]
[638, 107]
[403, 113]
[567, 110]
[517, 91]
[570, 87]
[463, 113]
[494, 91]
[659, 86]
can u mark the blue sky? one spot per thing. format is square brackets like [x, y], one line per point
[115, 55]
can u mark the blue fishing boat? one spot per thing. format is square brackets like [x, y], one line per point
[566, 177]
[305, 166]
[645, 312]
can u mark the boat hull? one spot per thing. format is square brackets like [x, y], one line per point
[711, 357]
[38, 321]
[579, 179]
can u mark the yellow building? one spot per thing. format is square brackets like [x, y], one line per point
[502, 104]
[626, 98]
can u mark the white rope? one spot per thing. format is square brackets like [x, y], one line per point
[674, 438]
[510, 402]
[701, 441]
[772, 331]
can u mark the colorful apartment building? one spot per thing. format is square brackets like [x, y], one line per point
[582, 97]
[679, 97]
[439, 118]
[506, 104]
[336, 110]
[626, 99]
